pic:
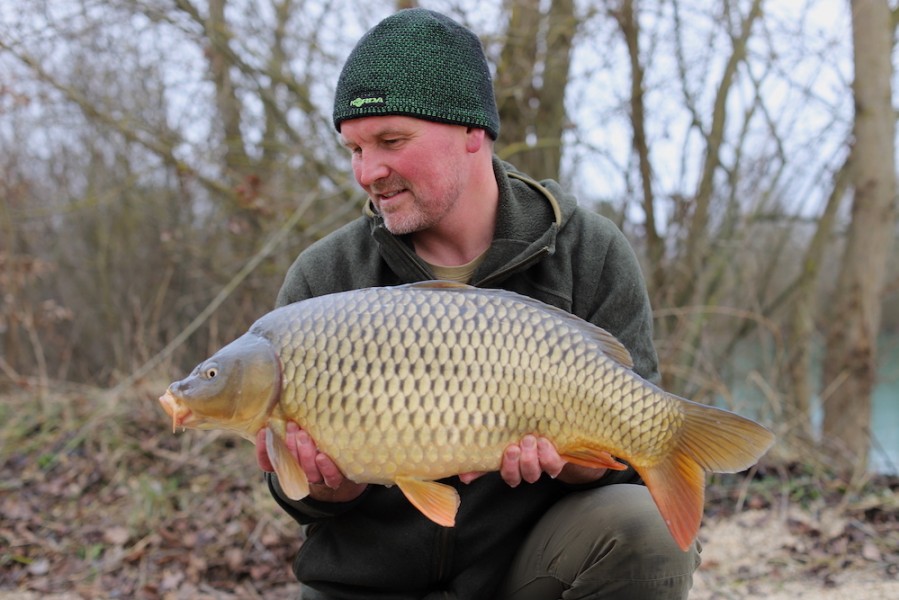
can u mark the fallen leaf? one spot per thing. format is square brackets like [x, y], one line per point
[871, 552]
[39, 567]
[117, 536]
[171, 580]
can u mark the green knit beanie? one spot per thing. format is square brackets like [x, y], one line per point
[421, 64]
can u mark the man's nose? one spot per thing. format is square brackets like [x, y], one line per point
[369, 168]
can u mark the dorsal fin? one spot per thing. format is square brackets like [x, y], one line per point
[439, 284]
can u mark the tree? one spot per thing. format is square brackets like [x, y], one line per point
[850, 363]
[163, 144]
[532, 76]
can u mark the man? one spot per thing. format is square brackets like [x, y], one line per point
[415, 107]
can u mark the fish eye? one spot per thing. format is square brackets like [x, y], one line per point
[211, 372]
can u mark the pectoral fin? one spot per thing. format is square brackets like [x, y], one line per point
[592, 458]
[291, 477]
[437, 501]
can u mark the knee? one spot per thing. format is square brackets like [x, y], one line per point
[626, 529]
[609, 542]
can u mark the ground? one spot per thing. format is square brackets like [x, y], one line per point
[761, 554]
[99, 499]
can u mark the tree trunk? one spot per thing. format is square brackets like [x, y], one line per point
[850, 363]
[797, 409]
[227, 103]
[531, 79]
[551, 119]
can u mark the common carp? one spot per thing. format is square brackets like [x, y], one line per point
[408, 384]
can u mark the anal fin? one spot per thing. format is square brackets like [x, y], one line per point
[437, 501]
[592, 458]
[291, 477]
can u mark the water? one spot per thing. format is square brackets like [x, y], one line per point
[884, 453]
[884, 457]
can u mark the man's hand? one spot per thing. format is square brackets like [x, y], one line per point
[533, 456]
[326, 482]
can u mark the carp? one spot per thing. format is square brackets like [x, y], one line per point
[409, 384]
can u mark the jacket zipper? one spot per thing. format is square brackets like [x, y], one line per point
[497, 275]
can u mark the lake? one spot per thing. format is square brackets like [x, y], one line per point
[884, 455]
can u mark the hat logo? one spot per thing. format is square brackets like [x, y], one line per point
[366, 101]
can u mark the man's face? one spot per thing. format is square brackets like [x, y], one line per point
[413, 170]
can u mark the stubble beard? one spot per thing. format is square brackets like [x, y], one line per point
[424, 212]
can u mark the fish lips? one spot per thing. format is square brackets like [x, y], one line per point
[175, 408]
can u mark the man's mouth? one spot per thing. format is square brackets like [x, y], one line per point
[384, 198]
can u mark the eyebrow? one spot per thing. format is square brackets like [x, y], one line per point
[381, 134]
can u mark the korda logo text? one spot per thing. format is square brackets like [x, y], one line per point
[360, 102]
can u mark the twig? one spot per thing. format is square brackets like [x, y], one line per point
[10, 372]
[744, 488]
[223, 294]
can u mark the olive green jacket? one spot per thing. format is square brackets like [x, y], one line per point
[546, 247]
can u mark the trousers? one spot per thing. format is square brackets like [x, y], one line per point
[607, 543]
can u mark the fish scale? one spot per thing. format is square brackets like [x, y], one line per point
[409, 384]
[500, 356]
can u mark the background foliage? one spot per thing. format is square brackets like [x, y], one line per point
[152, 148]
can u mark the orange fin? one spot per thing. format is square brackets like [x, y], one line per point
[710, 440]
[678, 487]
[722, 441]
[592, 458]
[437, 501]
[291, 477]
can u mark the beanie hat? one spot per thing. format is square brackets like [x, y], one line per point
[422, 64]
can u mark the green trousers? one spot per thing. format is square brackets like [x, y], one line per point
[607, 543]
[610, 543]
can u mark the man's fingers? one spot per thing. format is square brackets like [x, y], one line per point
[469, 477]
[318, 466]
[510, 470]
[530, 459]
[291, 438]
[550, 461]
[306, 454]
[331, 475]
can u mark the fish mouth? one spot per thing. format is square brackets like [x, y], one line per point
[175, 408]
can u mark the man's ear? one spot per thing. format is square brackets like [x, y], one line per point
[474, 139]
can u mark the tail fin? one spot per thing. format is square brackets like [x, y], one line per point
[711, 440]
